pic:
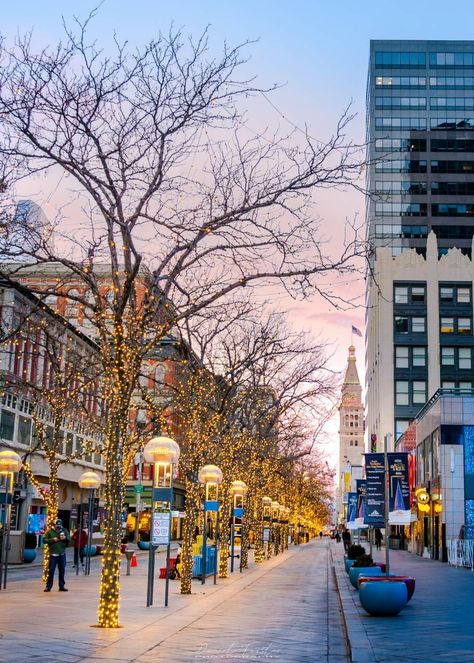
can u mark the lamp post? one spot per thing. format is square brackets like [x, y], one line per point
[10, 462]
[210, 476]
[237, 491]
[164, 453]
[275, 514]
[87, 481]
[267, 519]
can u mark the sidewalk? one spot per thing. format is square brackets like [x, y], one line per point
[434, 626]
[285, 609]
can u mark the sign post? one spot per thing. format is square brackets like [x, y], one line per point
[386, 444]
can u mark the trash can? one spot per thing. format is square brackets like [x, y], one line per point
[17, 543]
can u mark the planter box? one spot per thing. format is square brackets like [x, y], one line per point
[384, 598]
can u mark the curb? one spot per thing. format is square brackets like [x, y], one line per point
[357, 640]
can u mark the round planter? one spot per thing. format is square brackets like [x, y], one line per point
[29, 555]
[408, 580]
[383, 599]
[355, 571]
[90, 550]
[144, 545]
[348, 563]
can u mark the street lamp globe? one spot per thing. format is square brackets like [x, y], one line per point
[238, 487]
[266, 501]
[275, 505]
[10, 461]
[162, 450]
[210, 474]
[89, 480]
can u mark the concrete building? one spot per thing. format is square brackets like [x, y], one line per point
[420, 122]
[351, 432]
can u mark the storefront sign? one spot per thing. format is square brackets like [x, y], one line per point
[399, 499]
[161, 528]
[375, 490]
[360, 510]
[351, 510]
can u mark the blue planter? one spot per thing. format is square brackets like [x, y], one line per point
[144, 545]
[383, 598]
[348, 563]
[91, 551]
[29, 555]
[355, 571]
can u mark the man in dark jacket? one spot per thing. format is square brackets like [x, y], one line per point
[57, 539]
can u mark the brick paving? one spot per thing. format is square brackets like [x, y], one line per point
[435, 626]
[284, 610]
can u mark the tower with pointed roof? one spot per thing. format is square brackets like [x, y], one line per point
[351, 430]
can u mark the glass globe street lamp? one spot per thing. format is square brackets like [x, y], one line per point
[89, 481]
[210, 476]
[238, 490]
[164, 453]
[10, 464]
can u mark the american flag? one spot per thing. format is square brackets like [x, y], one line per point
[356, 331]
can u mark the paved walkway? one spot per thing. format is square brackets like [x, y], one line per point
[285, 610]
[435, 626]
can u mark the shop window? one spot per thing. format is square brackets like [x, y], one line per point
[7, 425]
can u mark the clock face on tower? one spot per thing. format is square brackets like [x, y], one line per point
[348, 398]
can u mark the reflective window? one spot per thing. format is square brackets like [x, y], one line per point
[401, 166]
[7, 425]
[463, 295]
[447, 356]
[402, 102]
[447, 325]
[452, 166]
[401, 188]
[452, 145]
[464, 325]
[452, 103]
[446, 294]
[397, 59]
[452, 82]
[401, 209]
[452, 123]
[401, 357]
[448, 384]
[401, 295]
[451, 59]
[402, 396]
[465, 386]
[400, 81]
[418, 294]
[419, 356]
[452, 188]
[419, 392]
[464, 358]
[400, 145]
[401, 324]
[418, 325]
[400, 427]
[452, 209]
[396, 123]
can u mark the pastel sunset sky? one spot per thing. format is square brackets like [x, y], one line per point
[317, 50]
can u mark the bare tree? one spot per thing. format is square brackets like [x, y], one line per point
[179, 199]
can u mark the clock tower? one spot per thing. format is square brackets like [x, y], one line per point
[351, 432]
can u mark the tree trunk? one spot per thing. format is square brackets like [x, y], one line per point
[192, 504]
[52, 510]
[224, 536]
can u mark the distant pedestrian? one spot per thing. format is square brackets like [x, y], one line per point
[79, 539]
[57, 539]
[346, 539]
[321, 534]
[378, 538]
[338, 537]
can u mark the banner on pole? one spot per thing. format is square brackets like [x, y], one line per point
[374, 490]
[161, 528]
[399, 498]
[351, 510]
[360, 509]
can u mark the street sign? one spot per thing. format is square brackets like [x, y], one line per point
[161, 528]
[138, 488]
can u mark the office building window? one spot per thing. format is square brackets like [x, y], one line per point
[400, 145]
[447, 326]
[452, 166]
[418, 325]
[400, 123]
[402, 396]
[463, 295]
[452, 145]
[465, 358]
[401, 81]
[404, 102]
[452, 123]
[447, 356]
[401, 324]
[465, 386]
[448, 384]
[406, 59]
[452, 103]
[419, 356]
[401, 426]
[401, 357]
[452, 82]
[464, 326]
[452, 209]
[401, 295]
[419, 392]
[451, 59]
[446, 294]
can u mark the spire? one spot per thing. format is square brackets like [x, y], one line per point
[351, 377]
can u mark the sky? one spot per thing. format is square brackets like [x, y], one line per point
[316, 50]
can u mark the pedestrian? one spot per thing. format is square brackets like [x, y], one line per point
[346, 539]
[378, 538]
[321, 534]
[338, 537]
[79, 539]
[57, 538]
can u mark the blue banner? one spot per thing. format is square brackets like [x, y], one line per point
[351, 510]
[360, 510]
[399, 498]
[374, 490]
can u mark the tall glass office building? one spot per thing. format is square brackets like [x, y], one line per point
[420, 128]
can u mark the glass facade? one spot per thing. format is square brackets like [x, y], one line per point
[421, 100]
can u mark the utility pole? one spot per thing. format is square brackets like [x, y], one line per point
[386, 441]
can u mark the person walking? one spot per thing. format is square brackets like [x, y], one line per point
[57, 538]
[79, 539]
[378, 538]
[338, 537]
[346, 539]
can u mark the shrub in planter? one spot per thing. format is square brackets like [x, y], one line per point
[363, 560]
[355, 551]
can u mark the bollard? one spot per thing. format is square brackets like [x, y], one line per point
[130, 555]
